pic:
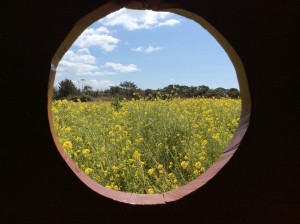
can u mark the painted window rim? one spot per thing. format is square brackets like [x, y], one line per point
[176, 194]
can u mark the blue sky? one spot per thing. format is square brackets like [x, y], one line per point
[151, 49]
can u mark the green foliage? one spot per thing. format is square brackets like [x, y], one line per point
[55, 94]
[66, 88]
[130, 90]
[128, 85]
[81, 97]
[233, 93]
[116, 103]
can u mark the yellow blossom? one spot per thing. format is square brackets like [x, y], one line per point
[78, 139]
[54, 110]
[136, 154]
[160, 166]
[171, 175]
[151, 171]
[184, 164]
[202, 158]
[150, 191]
[198, 165]
[85, 151]
[118, 128]
[110, 134]
[140, 140]
[115, 168]
[196, 172]
[132, 148]
[67, 145]
[131, 160]
[88, 170]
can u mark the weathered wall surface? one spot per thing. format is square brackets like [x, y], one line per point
[258, 185]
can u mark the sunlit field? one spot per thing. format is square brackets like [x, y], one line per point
[144, 146]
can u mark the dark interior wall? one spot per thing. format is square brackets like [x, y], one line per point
[258, 185]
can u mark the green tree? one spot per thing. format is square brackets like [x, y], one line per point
[128, 85]
[233, 93]
[201, 90]
[87, 90]
[114, 90]
[220, 92]
[66, 88]
[128, 88]
[55, 95]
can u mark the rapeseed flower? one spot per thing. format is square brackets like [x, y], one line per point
[136, 154]
[85, 152]
[131, 160]
[54, 110]
[151, 171]
[139, 140]
[160, 166]
[150, 191]
[78, 139]
[171, 175]
[88, 170]
[118, 128]
[184, 164]
[198, 165]
[111, 134]
[67, 145]
[144, 133]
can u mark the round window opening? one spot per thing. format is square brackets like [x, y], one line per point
[144, 104]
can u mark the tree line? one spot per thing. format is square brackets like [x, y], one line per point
[67, 90]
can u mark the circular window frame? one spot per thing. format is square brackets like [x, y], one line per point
[176, 194]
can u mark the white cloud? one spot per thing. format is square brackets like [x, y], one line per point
[67, 68]
[97, 38]
[138, 19]
[82, 63]
[82, 56]
[137, 49]
[121, 68]
[78, 63]
[170, 22]
[99, 84]
[148, 50]
[151, 49]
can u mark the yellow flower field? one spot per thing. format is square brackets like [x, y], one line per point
[146, 147]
